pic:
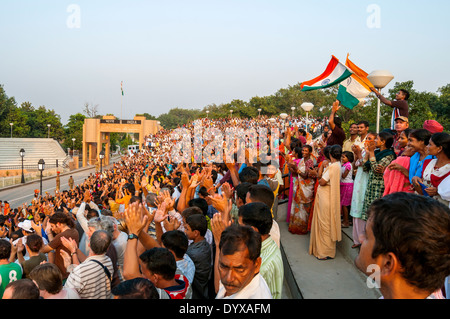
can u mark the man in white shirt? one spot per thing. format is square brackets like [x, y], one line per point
[237, 264]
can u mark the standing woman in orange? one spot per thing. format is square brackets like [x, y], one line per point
[326, 221]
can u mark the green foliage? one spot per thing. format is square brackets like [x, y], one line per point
[32, 122]
[177, 117]
[148, 116]
[419, 104]
[74, 129]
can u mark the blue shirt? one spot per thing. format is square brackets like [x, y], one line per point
[416, 165]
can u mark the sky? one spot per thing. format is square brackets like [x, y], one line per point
[194, 53]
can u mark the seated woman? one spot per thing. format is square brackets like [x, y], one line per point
[396, 175]
[418, 141]
[436, 172]
[381, 154]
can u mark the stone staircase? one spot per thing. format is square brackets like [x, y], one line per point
[35, 149]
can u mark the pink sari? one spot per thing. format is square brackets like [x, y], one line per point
[396, 181]
[293, 180]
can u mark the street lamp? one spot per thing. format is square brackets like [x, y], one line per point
[231, 113]
[101, 156]
[307, 107]
[73, 144]
[259, 112]
[379, 79]
[11, 124]
[293, 109]
[207, 112]
[284, 117]
[41, 167]
[22, 155]
[49, 130]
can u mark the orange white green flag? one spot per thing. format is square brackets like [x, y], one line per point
[334, 74]
[354, 89]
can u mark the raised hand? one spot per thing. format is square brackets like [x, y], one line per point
[135, 219]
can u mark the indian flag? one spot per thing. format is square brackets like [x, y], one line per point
[121, 87]
[357, 87]
[334, 74]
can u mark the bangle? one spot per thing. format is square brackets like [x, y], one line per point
[74, 253]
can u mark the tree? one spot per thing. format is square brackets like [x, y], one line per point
[441, 106]
[148, 116]
[177, 117]
[74, 129]
[90, 110]
[7, 104]
[419, 105]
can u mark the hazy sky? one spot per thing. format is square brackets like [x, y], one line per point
[189, 54]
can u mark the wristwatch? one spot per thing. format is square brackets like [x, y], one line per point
[132, 236]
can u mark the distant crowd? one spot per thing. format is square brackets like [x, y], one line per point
[150, 227]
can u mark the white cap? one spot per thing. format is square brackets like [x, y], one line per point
[26, 226]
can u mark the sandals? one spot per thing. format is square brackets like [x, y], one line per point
[325, 258]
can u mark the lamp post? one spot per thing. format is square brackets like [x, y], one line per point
[379, 79]
[48, 125]
[101, 156]
[259, 112]
[231, 113]
[41, 167]
[11, 124]
[284, 117]
[293, 109]
[22, 155]
[73, 145]
[307, 107]
[207, 112]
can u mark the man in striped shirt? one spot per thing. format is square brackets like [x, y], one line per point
[258, 216]
[92, 278]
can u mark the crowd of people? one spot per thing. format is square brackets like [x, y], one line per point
[150, 227]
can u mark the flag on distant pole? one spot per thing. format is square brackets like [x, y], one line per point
[334, 74]
[121, 88]
[355, 88]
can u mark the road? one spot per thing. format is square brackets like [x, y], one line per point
[24, 194]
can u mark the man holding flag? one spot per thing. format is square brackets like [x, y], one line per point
[400, 104]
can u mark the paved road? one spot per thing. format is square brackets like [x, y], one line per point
[24, 194]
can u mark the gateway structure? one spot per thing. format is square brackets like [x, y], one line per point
[96, 135]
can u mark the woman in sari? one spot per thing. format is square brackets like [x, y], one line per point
[317, 173]
[359, 189]
[326, 221]
[381, 154]
[418, 141]
[436, 172]
[292, 162]
[303, 193]
[396, 175]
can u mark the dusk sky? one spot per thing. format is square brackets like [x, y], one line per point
[190, 54]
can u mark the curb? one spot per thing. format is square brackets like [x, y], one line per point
[54, 176]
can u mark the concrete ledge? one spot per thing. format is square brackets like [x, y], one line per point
[309, 278]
